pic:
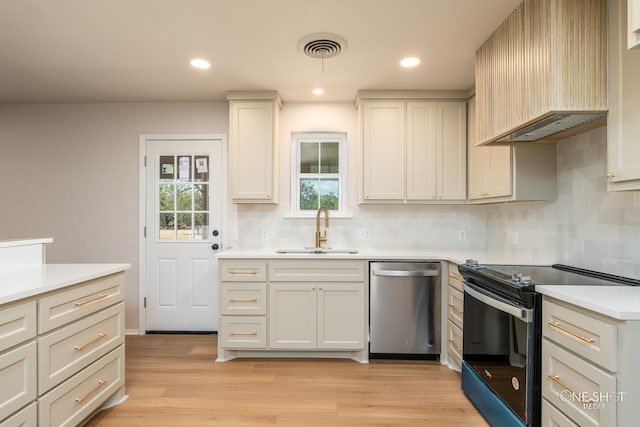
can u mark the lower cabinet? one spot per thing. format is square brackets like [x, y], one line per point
[293, 306]
[589, 367]
[59, 372]
[454, 318]
[317, 316]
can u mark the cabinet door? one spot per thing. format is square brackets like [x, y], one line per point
[498, 182]
[422, 152]
[452, 158]
[383, 151]
[292, 315]
[252, 150]
[623, 126]
[341, 316]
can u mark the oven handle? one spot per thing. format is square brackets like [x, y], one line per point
[525, 314]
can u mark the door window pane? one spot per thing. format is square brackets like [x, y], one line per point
[183, 197]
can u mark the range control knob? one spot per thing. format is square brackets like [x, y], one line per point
[526, 280]
[472, 263]
[516, 276]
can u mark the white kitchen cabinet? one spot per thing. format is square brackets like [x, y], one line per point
[253, 146]
[319, 315]
[413, 151]
[455, 309]
[502, 173]
[623, 126]
[290, 308]
[589, 367]
[243, 305]
[633, 23]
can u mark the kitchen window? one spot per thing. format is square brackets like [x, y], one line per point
[318, 173]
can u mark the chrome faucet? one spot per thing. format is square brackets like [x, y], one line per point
[321, 237]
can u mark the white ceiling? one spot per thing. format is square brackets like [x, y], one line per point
[59, 51]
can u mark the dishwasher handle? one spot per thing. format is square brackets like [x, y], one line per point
[406, 273]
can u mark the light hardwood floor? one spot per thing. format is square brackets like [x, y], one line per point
[172, 380]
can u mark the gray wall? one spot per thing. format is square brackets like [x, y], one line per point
[71, 172]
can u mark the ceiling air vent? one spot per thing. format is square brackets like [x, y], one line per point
[322, 45]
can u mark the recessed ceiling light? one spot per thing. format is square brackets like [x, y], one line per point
[318, 91]
[410, 62]
[200, 63]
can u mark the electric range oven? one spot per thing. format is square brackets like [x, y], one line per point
[502, 335]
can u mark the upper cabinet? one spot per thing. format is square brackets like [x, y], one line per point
[623, 126]
[253, 146]
[506, 173]
[633, 23]
[543, 71]
[412, 150]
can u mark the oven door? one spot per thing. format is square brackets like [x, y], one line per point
[500, 352]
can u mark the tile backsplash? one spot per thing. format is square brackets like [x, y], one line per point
[586, 226]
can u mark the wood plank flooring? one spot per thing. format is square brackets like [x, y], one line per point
[172, 380]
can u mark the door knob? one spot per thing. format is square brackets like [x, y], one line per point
[215, 246]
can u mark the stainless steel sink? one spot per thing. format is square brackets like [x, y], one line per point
[317, 251]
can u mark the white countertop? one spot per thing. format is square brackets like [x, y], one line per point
[23, 242]
[458, 256]
[619, 302]
[27, 282]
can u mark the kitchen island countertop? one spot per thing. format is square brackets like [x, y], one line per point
[31, 281]
[618, 302]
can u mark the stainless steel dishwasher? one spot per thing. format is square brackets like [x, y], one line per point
[404, 310]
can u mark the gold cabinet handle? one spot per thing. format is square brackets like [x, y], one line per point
[99, 297]
[245, 272]
[611, 175]
[567, 331]
[243, 333]
[453, 344]
[97, 338]
[243, 300]
[453, 307]
[556, 378]
[100, 384]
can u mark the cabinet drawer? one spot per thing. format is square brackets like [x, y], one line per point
[317, 271]
[18, 383]
[552, 417]
[243, 332]
[454, 345]
[82, 394]
[243, 270]
[243, 298]
[86, 298]
[456, 306]
[66, 351]
[28, 417]
[17, 324]
[589, 335]
[568, 381]
[455, 278]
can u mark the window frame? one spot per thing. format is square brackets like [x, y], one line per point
[297, 138]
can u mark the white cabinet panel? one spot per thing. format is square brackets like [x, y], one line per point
[18, 371]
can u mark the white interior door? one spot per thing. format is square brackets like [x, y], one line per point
[183, 219]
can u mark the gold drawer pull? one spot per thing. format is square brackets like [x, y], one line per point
[454, 308]
[100, 384]
[611, 175]
[245, 333]
[99, 297]
[563, 329]
[245, 272]
[556, 378]
[453, 344]
[243, 300]
[98, 338]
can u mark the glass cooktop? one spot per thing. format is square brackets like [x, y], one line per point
[557, 274]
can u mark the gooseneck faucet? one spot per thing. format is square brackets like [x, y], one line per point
[321, 237]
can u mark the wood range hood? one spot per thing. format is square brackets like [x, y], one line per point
[542, 75]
